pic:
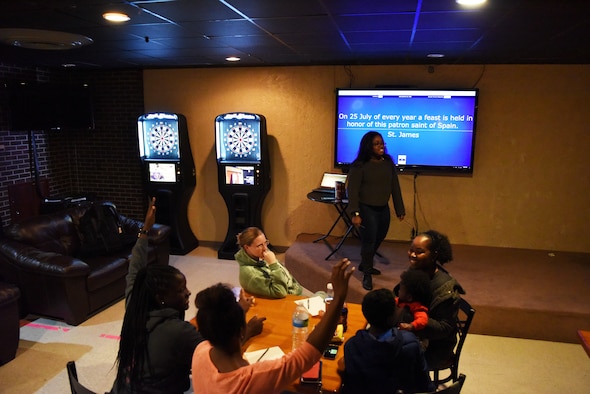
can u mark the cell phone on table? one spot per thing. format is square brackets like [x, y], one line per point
[331, 352]
[313, 375]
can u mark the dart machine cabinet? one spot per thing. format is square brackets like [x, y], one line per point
[169, 174]
[243, 166]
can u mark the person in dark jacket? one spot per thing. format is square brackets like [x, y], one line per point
[372, 182]
[383, 359]
[157, 344]
[428, 252]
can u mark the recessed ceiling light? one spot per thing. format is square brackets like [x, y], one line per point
[435, 55]
[115, 17]
[470, 2]
[232, 59]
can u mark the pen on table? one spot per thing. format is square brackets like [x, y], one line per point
[262, 355]
[308, 304]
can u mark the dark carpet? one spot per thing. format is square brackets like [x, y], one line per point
[517, 293]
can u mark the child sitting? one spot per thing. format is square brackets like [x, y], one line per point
[414, 296]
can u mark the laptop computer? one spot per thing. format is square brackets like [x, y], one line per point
[328, 183]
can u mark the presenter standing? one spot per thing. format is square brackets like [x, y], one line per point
[372, 180]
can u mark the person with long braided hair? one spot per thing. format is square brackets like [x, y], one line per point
[157, 344]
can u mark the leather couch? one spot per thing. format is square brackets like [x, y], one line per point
[9, 323]
[41, 255]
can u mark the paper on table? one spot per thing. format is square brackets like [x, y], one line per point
[313, 305]
[270, 353]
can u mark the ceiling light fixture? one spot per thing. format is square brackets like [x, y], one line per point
[470, 3]
[435, 55]
[233, 59]
[43, 39]
[117, 17]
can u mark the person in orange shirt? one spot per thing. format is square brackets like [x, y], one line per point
[219, 362]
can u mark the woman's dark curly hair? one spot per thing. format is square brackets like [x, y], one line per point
[365, 151]
[220, 317]
[440, 246]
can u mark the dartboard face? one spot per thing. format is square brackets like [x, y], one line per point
[241, 141]
[163, 139]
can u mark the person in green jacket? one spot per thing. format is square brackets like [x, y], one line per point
[261, 274]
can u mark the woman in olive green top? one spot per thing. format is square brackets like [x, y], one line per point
[261, 274]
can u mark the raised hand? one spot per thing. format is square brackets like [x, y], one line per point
[340, 277]
[150, 216]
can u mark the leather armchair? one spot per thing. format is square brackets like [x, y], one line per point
[41, 256]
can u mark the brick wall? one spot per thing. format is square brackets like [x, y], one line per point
[103, 162]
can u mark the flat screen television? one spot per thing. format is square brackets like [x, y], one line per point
[50, 106]
[426, 131]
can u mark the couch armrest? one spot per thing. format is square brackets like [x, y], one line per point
[33, 260]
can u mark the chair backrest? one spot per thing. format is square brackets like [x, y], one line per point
[466, 313]
[464, 319]
[75, 385]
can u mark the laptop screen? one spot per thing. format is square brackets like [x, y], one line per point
[329, 179]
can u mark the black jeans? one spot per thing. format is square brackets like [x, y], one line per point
[374, 227]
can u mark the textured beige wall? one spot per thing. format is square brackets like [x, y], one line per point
[529, 188]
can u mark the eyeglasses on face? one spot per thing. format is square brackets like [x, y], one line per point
[265, 243]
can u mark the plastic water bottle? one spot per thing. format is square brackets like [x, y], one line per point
[344, 318]
[329, 293]
[300, 326]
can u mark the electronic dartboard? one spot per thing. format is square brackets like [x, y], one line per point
[243, 165]
[239, 140]
[163, 140]
[169, 173]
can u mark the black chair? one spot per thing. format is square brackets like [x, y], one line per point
[75, 385]
[464, 319]
[454, 388]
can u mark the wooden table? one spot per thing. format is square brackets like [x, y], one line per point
[277, 332]
[585, 338]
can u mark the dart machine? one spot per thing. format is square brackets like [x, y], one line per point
[243, 166]
[169, 174]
